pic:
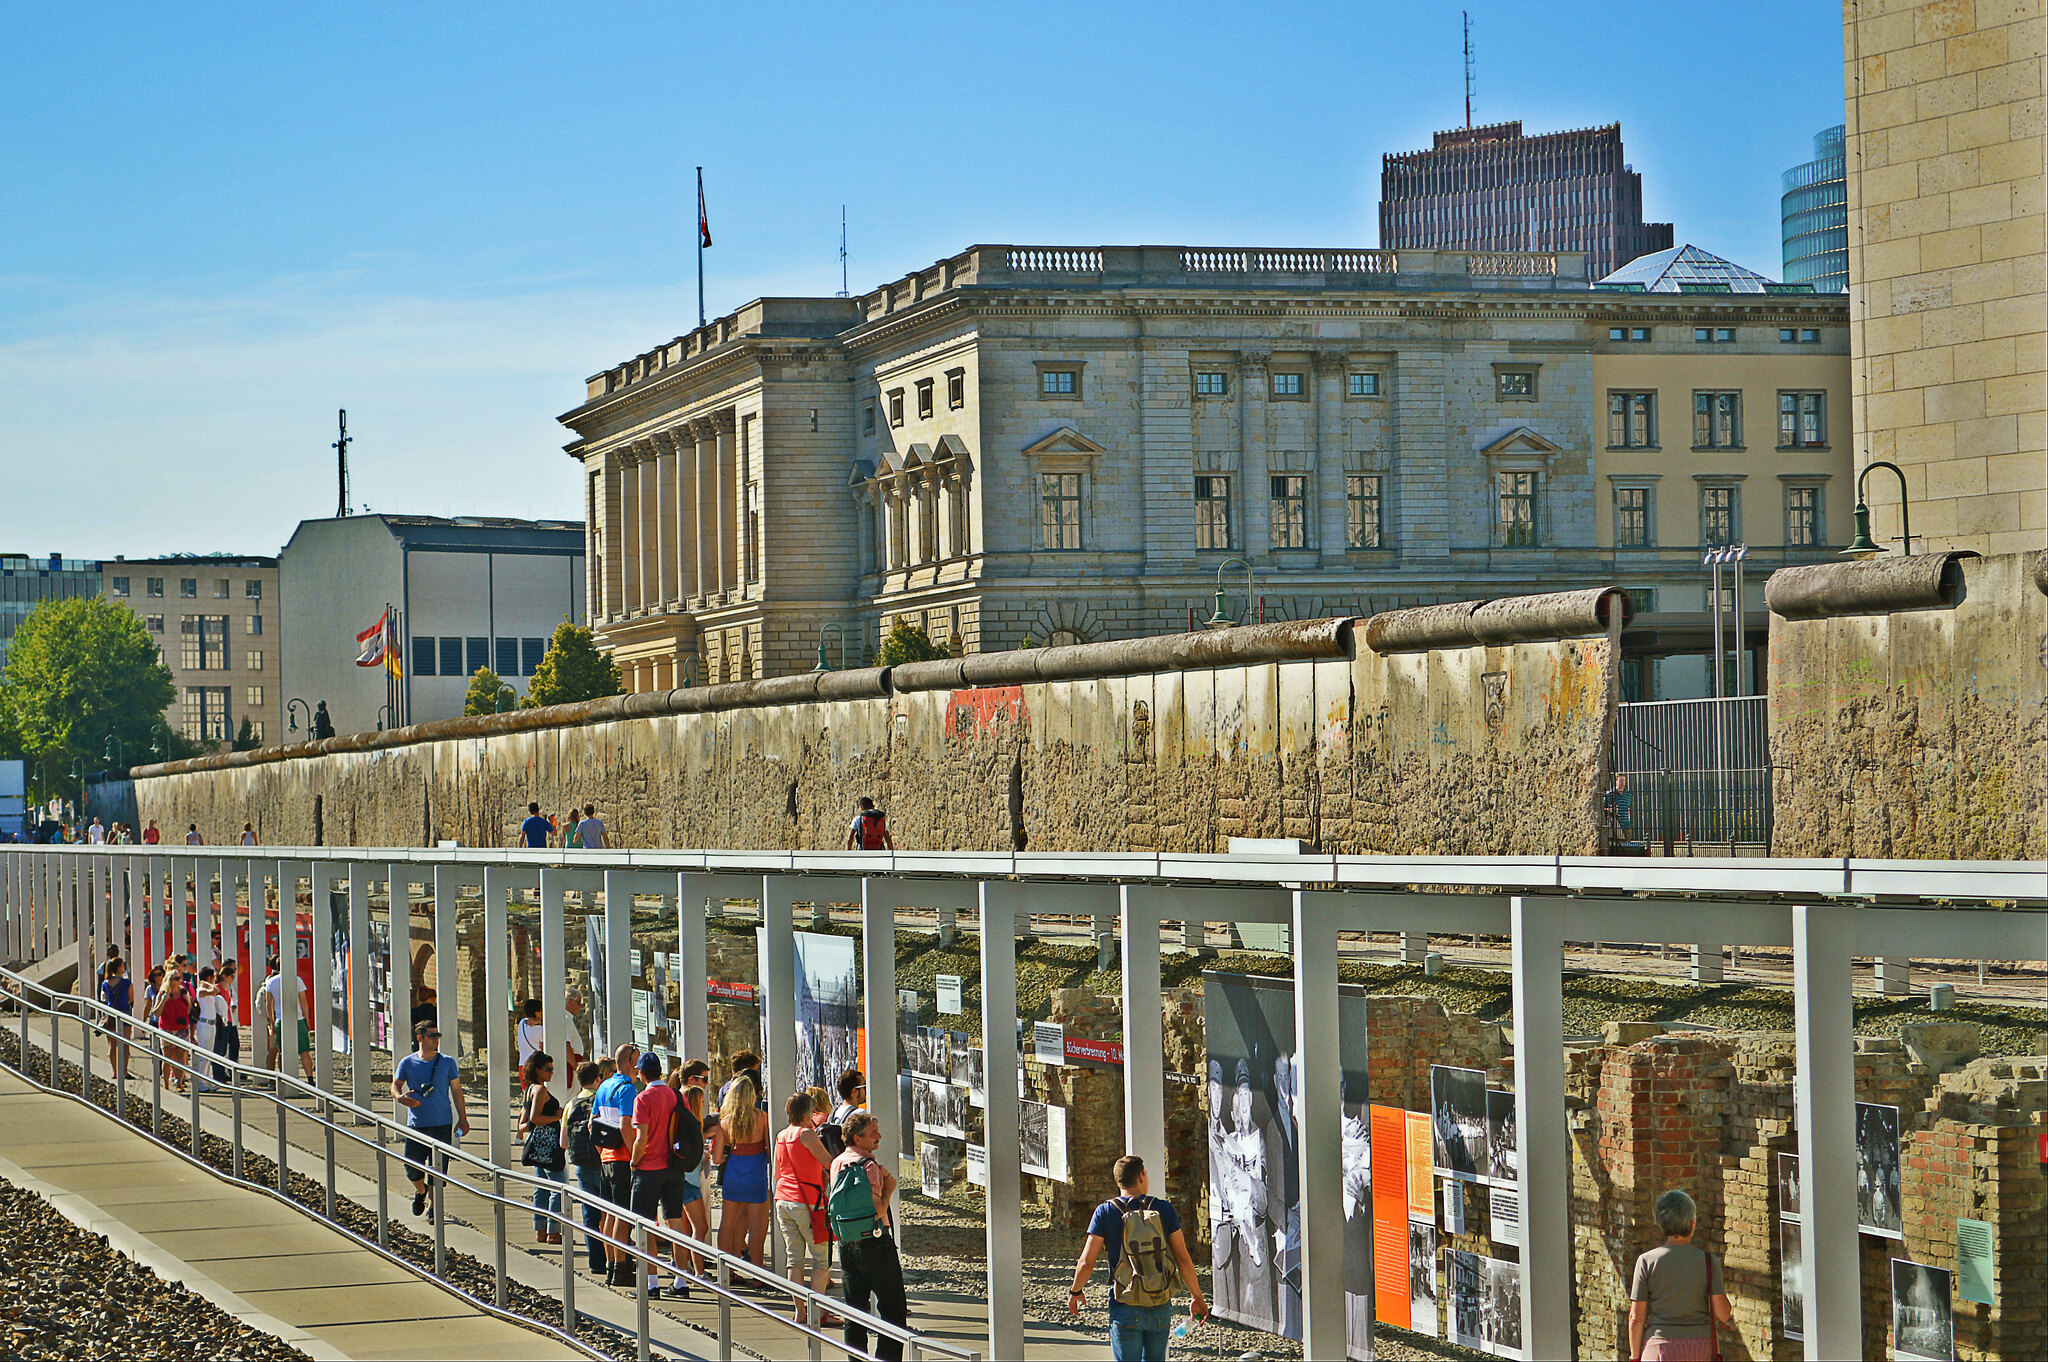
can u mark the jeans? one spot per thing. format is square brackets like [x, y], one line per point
[871, 1268]
[545, 1200]
[1137, 1333]
[591, 1180]
[227, 1042]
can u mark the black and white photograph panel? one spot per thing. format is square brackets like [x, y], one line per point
[1034, 1121]
[955, 1112]
[1792, 1277]
[1465, 1281]
[1504, 1308]
[1923, 1318]
[1879, 1208]
[956, 1066]
[931, 1169]
[1422, 1312]
[1788, 1186]
[1457, 1114]
[977, 1077]
[1500, 1135]
[827, 1009]
[933, 1107]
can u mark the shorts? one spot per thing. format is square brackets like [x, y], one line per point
[618, 1182]
[693, 1188]
[417, 1152]
[800, 1238]
[657, 1190]
[305, 1036]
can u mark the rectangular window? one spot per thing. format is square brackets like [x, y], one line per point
[867, 418]
[252, 660]
[1059, 510]
[956, 389]
[252, 696]
[188, 588]
[1802, 518]
[531, 651]
[451, 657]
[1632, 517]
[423, 656]
[1059, 382]
[508, 657]
[1719, 514]
[253, 589]
[206, 713]
[222, 588]
[1514, 385]
[1212, 383]
[1362, 510]
[1713, 335]
[1631, 420]
[924, 399]
[120, 586]
[1290, 511]
[1809, 336]
[1212, 511]
[153, 623]
[255, 626]
[1717, 420]
[1286, 385]
[1364, 385]
[478, 655]
[1801, 335]
[1802, 421]
[896, 406]
[155, 586]
[1632, 335]
[1516, 495]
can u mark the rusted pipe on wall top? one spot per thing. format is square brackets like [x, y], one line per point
[1871, 586]
[1492, 623]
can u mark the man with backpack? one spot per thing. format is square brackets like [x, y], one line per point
[858, 1207]
[1146, 1249]
[611, 1130]
[869, 830]
[582, 1151]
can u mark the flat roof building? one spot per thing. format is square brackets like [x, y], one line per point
[214, 618]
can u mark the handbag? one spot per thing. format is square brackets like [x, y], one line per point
[543, 1146]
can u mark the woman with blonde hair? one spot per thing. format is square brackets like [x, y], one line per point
[743, 1180]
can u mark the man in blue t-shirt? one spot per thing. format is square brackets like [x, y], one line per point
[1136, 1333]
[534, 831]
[428, 1085]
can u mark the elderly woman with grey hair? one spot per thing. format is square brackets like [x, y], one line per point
[1677, 1298]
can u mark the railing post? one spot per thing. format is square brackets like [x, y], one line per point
[498, 1222]
[436, 1187]
[235, 1101]
[327, 1129]
[724, 1309]
[643, 1268]
[383, 1192]
[193, 1082]
[283, 1108]
[570, 1223]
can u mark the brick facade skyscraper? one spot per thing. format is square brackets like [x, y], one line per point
[1492, 189]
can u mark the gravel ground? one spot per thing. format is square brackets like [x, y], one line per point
[69, 1295]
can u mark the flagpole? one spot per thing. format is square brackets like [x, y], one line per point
[700, 247]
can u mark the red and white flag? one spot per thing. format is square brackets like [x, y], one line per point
[703, 222]
[370, 643]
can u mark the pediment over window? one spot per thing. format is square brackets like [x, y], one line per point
[1522, 443]
[1066, 441]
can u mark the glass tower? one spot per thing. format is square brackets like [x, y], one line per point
[1815, 212]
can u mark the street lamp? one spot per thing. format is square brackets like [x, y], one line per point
[1221, 620]
[823, 665]
[292, 719]
[159, 738]
[115, 755]
[383, 713]
[1863, 546]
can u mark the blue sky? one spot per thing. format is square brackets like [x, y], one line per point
[223, 223]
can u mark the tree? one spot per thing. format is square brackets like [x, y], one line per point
[488, 694]
[245, 736]
[83, 679]
[575, 668]
[908, 642]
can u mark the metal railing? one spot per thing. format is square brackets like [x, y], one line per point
[1698, 771]
[335, 1119]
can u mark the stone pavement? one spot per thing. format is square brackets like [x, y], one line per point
[266, 1263]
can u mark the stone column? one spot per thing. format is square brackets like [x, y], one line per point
[684, 440]
[1256, 540]
[665, 514]
[1329, 457]
[705, 503]
[725, 509]
[629, 529]
[650, 528]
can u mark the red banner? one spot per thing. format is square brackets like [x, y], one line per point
[719, 991]
[1101, 1051]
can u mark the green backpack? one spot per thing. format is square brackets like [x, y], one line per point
[851, 1207]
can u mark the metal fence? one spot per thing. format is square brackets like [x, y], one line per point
[1697, 771]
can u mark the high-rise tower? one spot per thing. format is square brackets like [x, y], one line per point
[1815, 212]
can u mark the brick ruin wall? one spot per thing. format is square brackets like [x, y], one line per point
[1917, 734]
[1479, 750]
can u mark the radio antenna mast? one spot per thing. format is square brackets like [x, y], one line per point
[340, 447]
[1467, 16]
[843, 291]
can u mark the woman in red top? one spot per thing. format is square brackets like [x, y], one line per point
[174, 1014]
[800, 1163]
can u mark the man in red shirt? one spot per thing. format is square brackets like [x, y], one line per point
[657, 1188]
[150, 835]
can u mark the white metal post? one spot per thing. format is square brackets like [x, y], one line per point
[1543, 1145]
[618, 958]
[398, 890]
[497, 1018]
[1706, 962]
[1894, 975]
[447, 1001]
[286, 1036]
[693, 1017]
[1144, 1032]
[1319, 1117]
[321, 1005]
[878, 1012]
[1824, 1038]
[554, 980]
[1001, 902]
[777, 1000]
[360, 1027]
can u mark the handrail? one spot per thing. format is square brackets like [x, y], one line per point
[96, 1017]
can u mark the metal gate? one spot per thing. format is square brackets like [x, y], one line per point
[1696, 771]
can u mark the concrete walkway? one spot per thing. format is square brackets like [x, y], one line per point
[266, 1263]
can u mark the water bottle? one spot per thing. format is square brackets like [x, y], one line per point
[1183, 1327]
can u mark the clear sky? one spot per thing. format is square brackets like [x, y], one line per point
[222, 223]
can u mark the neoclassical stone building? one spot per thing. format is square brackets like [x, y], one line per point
[1068, 444]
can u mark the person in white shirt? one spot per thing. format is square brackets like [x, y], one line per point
[96, 834]
[192, 837]
[273, 993]
[248, 834]
[531, 1038]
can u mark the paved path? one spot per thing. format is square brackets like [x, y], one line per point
[266, 1263]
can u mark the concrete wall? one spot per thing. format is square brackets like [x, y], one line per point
[1479, 750]
[1919, 733]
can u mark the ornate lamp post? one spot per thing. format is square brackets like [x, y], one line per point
[1221, 619]
[1863, 546]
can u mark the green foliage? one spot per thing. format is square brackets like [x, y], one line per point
[907, 642]
[575, 668]
[245, 736]
[79, 673]
[487, 694]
